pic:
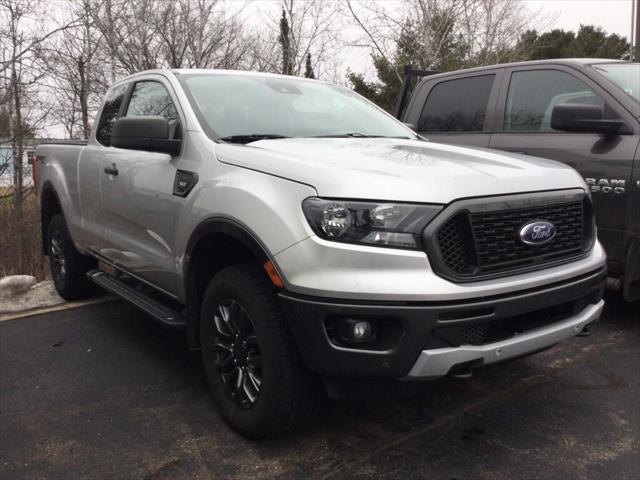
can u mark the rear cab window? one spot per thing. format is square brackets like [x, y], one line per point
[457, 105]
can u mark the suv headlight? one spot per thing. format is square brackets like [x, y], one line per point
[396, 225]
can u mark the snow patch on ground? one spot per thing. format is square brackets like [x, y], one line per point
[23, 292]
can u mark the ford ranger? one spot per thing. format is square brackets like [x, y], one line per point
[296, 233]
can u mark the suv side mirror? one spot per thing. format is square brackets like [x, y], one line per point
[144, 133]
[580, 118]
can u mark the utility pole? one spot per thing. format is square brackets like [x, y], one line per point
[636, 54]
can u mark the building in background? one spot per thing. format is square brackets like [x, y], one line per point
[7, 162]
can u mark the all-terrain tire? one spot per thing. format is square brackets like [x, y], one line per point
[68, 266]
[280, 393]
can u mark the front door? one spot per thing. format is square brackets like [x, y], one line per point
[139, 209]
[90, 169]
[606, 162]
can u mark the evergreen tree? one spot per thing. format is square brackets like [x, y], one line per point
[285, 44]
[308, 72]
[589, 42]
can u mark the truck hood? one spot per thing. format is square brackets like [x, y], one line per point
[399, 170]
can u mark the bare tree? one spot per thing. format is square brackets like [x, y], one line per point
[312, 27]
[147, 34]
[78, 72]
[442, 33]
[20, 37]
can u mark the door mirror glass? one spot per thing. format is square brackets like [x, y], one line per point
[580, 118]
[150, 133]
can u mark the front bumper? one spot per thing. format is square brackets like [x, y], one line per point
[430, 339]
[439, 362]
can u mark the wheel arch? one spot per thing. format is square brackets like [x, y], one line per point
[50, 205]
[214, 244]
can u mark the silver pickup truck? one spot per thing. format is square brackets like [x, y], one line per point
[298, 233]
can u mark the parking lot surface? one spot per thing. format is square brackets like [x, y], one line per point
[102, 392]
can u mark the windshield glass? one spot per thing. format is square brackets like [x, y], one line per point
[626, 75]
[232, 105]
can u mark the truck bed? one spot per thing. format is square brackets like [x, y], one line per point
[80, 143]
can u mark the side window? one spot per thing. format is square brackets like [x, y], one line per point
[151, 98]
[457, 105]
[109, 114]
[533, 94]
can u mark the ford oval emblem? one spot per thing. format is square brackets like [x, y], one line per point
[537, 233]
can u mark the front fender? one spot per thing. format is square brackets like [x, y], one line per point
[268, 208]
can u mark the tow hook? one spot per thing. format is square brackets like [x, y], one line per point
[462, 375]
[586, 332]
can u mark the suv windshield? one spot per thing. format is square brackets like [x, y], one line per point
[626, 75]
[245, 107]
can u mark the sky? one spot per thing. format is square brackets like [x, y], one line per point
[614, 16]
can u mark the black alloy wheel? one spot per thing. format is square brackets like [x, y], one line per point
[58, 261]
[237, 353]
[68, 266]
[251, 362]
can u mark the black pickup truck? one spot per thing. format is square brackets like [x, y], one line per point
[582, 112]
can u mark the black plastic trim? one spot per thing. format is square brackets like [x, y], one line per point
[306, 317]
[47, 188]
[184, 182]
[207, 227]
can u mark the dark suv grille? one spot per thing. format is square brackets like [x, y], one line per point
[475, 244]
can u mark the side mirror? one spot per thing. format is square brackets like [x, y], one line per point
[411, 126]
[144, 133]
[579, 118]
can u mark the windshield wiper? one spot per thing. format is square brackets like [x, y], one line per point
[354, 135]
[253, 137]
[345, 135]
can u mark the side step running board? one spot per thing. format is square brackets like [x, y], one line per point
[164, 314]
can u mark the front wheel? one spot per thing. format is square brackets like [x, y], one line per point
[251, 363]
[68, 266]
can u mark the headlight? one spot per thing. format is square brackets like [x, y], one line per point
[388, 224]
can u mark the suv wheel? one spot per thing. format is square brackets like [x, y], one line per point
[68, 266]
[251, 363]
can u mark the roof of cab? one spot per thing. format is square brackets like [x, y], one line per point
[184, 71]
[571, 62]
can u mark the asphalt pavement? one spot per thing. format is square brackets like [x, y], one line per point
[101, 392]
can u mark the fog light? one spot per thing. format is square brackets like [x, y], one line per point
[362, 331]
[352, 332]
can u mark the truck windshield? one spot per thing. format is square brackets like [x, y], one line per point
[250, 107]
[626, 75]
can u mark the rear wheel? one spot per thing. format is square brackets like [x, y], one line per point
[252, 366]
[68, 266]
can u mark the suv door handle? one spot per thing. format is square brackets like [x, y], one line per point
[112, 170]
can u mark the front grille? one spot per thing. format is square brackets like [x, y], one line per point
[456, 243]
[476, 244]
